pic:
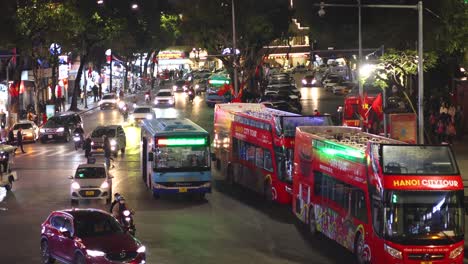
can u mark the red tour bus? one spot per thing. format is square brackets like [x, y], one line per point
[353, 107]
[384, 200]
[254, 146]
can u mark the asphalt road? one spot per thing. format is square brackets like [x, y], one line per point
[232, 225]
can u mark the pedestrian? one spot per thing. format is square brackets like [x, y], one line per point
[316, 112]
[19, 139]
[11, 136]
[451, 132]
[87, 147]
[2, 119]
[44, 118]
[95, 93]
[441, 130]
[107, 151]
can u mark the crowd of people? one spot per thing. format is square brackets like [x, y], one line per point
[445, 121]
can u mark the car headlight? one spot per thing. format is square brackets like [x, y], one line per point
[75, 185]
[171, 101]
[95, 253]
[60, 129]
[304, 81]
[141, 249]
[393, 252]
[149, 116]
[456, 252]
[156, 101]
[42, 130]
[113, 142]
[314, 81]
[105, 185]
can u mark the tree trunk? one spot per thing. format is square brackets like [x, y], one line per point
[77, 88]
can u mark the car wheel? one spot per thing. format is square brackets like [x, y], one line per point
[79, 259]
[45, 253]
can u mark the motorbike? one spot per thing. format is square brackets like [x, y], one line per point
[78, 139]
[191, 96]
[127, 222]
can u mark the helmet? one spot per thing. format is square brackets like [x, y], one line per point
[118, 196]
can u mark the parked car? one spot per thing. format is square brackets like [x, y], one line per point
[142, 112]
[282, 105]
[92, 236]
[29, 129]
[164, 97]
[109, 101]
[91, 182]
[116, 136]
[59, 127]
[308, 81]
[284, 89]
[330, 81]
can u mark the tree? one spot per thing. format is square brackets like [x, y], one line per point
[40, 24]
[258, 23]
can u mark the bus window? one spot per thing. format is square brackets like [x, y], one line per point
[318, 183]
[181, 157]
[259, 158]
[268, 161]
[358, 202]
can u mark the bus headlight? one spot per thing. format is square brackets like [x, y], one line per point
[393, 252]
[456, 252]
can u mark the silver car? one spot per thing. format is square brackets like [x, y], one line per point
[116, 135]
[91, 182]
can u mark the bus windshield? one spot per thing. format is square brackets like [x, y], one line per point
[423, 217]
[182, 158]
[422, 160]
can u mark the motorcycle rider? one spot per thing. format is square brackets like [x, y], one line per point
[117, 197]
[79, 131]
[191, 93]
[148, 95]
[117, 208]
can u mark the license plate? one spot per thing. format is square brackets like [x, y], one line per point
[89, 193]
[183, 189]
[50, 136]
[426, 262]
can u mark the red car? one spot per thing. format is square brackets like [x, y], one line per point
[81, 236]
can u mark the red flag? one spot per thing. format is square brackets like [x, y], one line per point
[224, 89]
[364, 106]
[377, 106]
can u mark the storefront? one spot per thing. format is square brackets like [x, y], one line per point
[173, 59]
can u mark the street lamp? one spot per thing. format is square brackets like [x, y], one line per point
[419, 8]
[134, 6]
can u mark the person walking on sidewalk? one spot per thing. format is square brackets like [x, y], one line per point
[95, 93]
[19, 139]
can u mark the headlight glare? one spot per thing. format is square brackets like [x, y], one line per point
[95, 253]
[456, 252]
[141, 249]
[75, 185]
[42, 130]
[393, 252]
[60, 129]
[105, 185]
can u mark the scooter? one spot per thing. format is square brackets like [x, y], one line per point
[127, 222]
[77, 138]
[191, 96]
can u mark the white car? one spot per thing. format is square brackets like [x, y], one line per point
[29, 129]
[142, 112]
[91, 182]
[164, 97]
[109, 101]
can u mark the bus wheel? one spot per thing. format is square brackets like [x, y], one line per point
[312, 222]
[361, 250]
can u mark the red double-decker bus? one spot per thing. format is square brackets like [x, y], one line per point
[354, 108]
[384, 200]
[254, 146]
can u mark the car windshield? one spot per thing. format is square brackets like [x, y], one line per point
[309, 77]
[186, 157]
[142, 110]
[109, 96]
[55, 121]
[22, 126]
[164, 94]
[90, 173]
[99, 132]
[423, 217]
[96, 224]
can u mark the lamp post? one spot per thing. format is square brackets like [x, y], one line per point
[109, 55]
[234, 48]
[419, 8]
